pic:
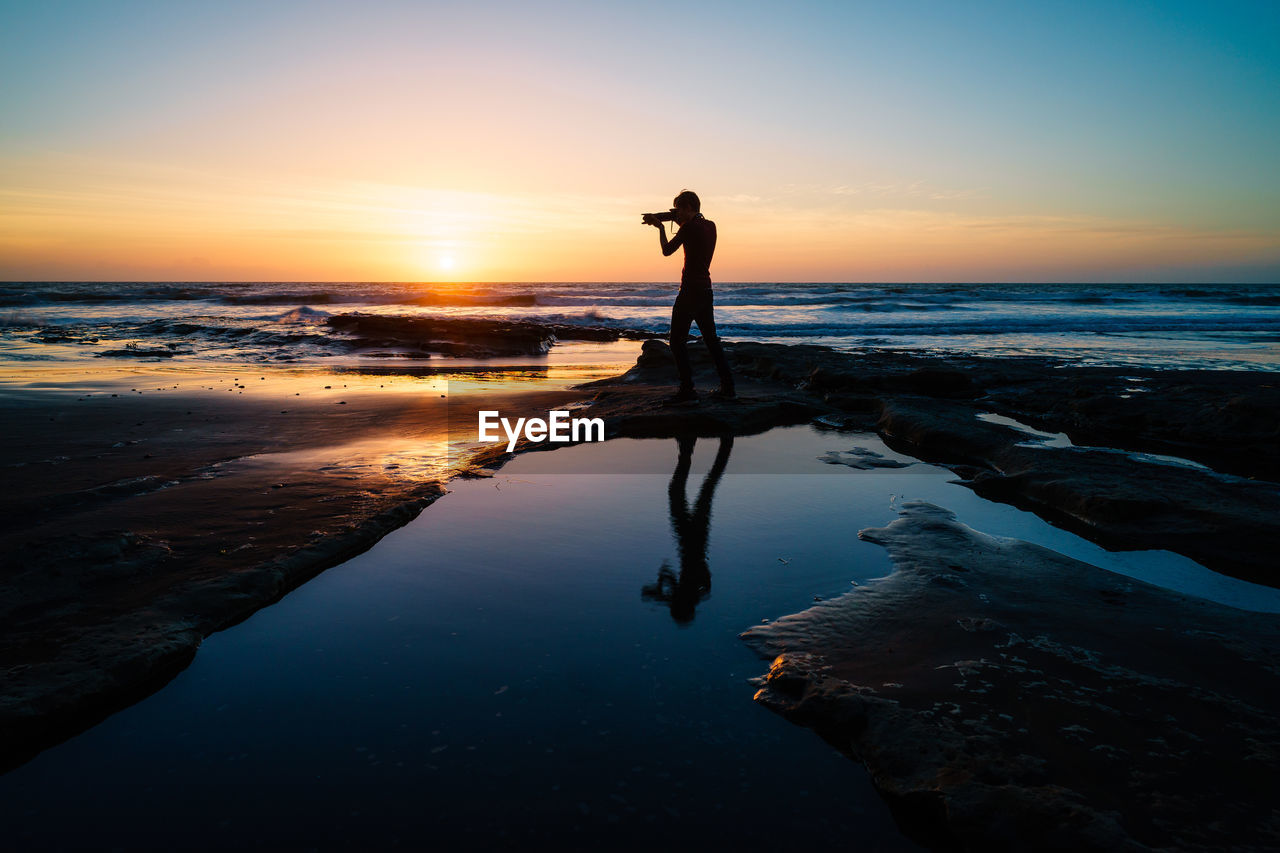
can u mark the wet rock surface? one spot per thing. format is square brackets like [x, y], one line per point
[637, 403]
[1105, 484]
[1228, 420]
[1122, 495]
[466, 337]
[861, 458]
[1109, 682]
[1228, 523]
[93, 623]
[135, 525]
[1005, 697]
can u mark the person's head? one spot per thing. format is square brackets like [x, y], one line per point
[686, 205]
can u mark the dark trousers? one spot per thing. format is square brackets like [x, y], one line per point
[694, 306]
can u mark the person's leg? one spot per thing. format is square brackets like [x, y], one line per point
[704, 316]
[681, 319]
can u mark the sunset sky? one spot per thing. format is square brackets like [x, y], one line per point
[521, 141]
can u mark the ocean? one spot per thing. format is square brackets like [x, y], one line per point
[1163, 326]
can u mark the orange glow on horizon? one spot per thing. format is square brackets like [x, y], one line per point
[93, 221]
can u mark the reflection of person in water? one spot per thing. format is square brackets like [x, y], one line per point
[683, 591]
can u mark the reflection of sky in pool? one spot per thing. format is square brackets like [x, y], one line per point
[492, 674]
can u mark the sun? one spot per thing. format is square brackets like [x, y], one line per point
[440, 259]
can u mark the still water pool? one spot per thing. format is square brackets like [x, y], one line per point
[545, 659]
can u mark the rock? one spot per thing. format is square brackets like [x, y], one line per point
[922, 406]
[1121, 500]
[1005, 697]
[942, 382]
[861, 458]
[466, 336]
[138, 352]
[641, 412]
[656, 354]
[1226, 419]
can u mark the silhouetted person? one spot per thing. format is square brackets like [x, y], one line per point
[697, 235]
[683, 591]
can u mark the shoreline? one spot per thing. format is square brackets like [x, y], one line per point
[136, 527]
[889, 393]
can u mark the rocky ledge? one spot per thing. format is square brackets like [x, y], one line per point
[1005, 697]
[467, 337]
[1130, 458]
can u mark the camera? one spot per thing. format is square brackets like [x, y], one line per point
[654, 218]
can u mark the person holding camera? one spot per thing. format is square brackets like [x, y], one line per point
[697, 235]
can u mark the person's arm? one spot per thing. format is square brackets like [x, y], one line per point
[669, 246]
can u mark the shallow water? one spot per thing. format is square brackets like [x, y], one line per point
[501, 671]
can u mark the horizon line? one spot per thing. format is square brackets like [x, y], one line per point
[608, 281]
